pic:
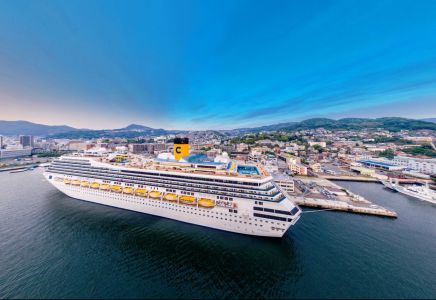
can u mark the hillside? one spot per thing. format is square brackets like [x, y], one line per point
[134, 130]
[391, 123]
[10, 128]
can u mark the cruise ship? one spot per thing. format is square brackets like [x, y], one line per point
[220, 194]
[421, 192]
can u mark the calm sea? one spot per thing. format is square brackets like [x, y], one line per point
[52, 246]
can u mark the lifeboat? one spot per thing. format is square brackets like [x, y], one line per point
[116, 188]
[75, 182]
[104, 186]
[84, 183]
[155, 194]
[95, 185]
[206, 203]
[128, 190]
[141, 192]
[170, 197]
[188, 200]
[67, 181]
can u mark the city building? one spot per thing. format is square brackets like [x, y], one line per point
[363, 171]
[285, 182]
[316, 167]
[26, 140]
[77, 146]
[381, 165]
[298, 169]
[13, 153]
[241, 147]
[419, 139]
[321, 144]
[141, 148]
[426, 166]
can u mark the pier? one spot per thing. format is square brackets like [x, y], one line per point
[325, 194]
[358, 208]
[350, 178]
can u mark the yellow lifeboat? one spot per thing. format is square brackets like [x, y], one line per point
[104, 186]
[207, 203]
[75, 182]
[141, 192]
[155, 194]
[67, 181]
[116, 188]
[188, 200]
[95, 185]
[128, 190]
[84, 183]
[170, 197]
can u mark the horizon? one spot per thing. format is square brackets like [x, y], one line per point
[216, 64]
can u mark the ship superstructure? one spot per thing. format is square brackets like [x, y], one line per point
[220, 194]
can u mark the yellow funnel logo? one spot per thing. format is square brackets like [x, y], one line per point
[181, 148]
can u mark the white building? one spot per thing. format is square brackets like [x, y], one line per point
[77, 145]
[241, 147]
[426, 166]
[285, 182]
[12, 153]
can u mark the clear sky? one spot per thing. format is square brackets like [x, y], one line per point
[215, 64]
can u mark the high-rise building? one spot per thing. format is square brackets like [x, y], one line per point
[1, 142]
[26, 140]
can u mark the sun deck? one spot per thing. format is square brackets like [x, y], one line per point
[228, 169]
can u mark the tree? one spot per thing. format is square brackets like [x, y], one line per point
[318, 148]
[388, 153]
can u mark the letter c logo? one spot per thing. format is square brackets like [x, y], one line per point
[178, 150]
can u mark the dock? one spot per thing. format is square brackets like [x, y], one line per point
[18, 168]
[350, 178]
[358, 208]
[325, 194]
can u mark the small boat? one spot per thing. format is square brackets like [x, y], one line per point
[95, 185]
[75, 182]
[116, 188]
[104, 186]
[67, 181]
[155, 194]
[190, 200]
[141, 192]
[170, 197]
[206, 203]
[127, 190]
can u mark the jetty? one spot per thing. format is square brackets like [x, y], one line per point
[358, 208]
[350, 178]
[324, 194]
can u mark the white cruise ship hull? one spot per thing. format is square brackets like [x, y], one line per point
[181, 212]
[416, 195]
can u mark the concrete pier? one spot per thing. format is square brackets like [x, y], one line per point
[358, 208]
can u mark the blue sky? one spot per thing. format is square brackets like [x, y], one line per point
[215, 64]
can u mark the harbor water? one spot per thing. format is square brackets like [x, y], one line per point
[52, 246]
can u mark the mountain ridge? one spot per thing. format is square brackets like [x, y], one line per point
[10, 128]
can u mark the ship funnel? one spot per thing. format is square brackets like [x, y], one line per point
[181, 148]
